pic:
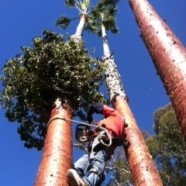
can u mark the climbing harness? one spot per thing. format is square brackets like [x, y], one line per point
[83, 136]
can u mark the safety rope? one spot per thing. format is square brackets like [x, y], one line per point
[71, 120]
[87, 124]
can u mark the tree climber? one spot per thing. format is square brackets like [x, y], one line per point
[89, 169]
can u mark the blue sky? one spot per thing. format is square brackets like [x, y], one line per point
[21, 21]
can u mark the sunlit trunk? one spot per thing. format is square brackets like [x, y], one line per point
[142, 168]
[113, 79]
[57, 151]
[168, 54]
[79, 30]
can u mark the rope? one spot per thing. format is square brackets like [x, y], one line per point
[79, 122]
[87, 124]
[109, 137]
[71, 120]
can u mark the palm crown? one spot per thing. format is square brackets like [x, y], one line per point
[52, 68]
[107, 8]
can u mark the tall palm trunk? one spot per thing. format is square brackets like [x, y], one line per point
[143, 170]
[79, 30]
[57, 151]
[168, 54]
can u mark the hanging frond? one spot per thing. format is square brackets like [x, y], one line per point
[108, 21]
[94, 20]
[81, 5]
[107, 8]
[70, 3]
[63, 22]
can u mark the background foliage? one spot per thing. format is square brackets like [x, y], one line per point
[168, 147]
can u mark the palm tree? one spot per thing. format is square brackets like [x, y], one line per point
[143, 170]
[82, 6]
[140, 161]
[57, 151]
[168, 54]
[40, 82]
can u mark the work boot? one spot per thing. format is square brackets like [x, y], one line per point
[74, 179]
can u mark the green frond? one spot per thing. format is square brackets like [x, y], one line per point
[104, 12]
[82, 5]
[106, 7]
[70, 3]
[93, 28]
[63, 22]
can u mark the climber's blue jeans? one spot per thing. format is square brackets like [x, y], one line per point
[91, 166]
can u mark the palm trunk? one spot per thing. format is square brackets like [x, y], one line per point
[77, 37]
[113, 79]
[57, 151]
[168, 54]
[143, 170]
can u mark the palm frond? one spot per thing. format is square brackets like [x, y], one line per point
[70, 3]
[107, 8]
[63, 22]
[82, 5]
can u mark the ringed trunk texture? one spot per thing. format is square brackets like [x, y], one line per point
[142, 168]
[113, 78]
[168, 54]
[57, 151]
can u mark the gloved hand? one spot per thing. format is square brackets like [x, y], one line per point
[89, 118]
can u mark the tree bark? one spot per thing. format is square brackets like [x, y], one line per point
[57, 151]
[113, 78]
[143, 170]
[77, 37]
[168, 54]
